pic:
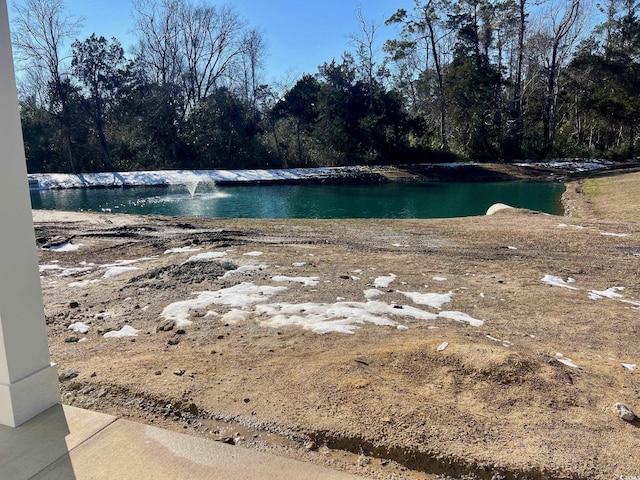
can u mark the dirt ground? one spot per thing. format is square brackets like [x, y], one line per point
[521, 382]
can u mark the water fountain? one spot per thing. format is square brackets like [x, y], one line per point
[192, 185]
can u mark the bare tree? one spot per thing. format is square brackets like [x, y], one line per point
[553, 44]
[252, 59]
[42, 30]
[365, 43]
[192, 45]
[157, 24]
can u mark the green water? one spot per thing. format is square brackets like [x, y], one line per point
[409, 200]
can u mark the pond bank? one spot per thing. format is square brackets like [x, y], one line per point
[461, 172]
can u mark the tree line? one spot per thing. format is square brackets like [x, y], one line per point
[488, 80]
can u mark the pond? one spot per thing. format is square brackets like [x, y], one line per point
[393, 200]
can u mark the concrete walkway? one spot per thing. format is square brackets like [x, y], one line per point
[67, 443]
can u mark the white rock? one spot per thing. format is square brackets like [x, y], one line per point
[624, 412]
[496, 207]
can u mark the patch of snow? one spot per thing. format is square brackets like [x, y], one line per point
[126, 331]
[340, 317]
[442, 347]
[372, 293]
[505, 343]
[235, 316]
[182, 250]
[83, 283]
[239, 296]
[512, 248]
[68, 272]
[44, 268]
[632, 302]
[79, 327]
[306, 281]
[252, 254]
[298, 264]
[568, 362]
[65, 247]
[611, 292]
[629, 366]
[244, 269]
[402, 327]
[203, 257]
[114, 271]
[434, 300]
[439, 279]
[384, 281]
[557, 282]
[461, 317]
[564, 225]
[609, 234]
[122, 263]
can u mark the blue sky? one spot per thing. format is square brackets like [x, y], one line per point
[301, 34]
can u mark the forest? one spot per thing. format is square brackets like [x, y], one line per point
[484, 80]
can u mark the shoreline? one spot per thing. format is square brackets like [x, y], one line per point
[463, 172]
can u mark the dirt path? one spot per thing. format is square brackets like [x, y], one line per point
[444, 352]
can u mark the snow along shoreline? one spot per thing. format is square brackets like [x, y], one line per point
[46, 181]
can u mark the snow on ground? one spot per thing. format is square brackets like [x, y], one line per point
[372, 293]
[191, 178]
[65, 247]
[126, 331]
[203, 257]
[82, 283]
[384, 281]
[608, 293]
[68, 272]
[306, 281]
[47, 267]
[575, 165]
[244, 269]
[564, 225]
[461, 317]
[240, 296]
[182, 250]
[187, 177]
[610, 234]
[566, 361]
[434, 300]
[252, 254]
[558, 282]
[611, 292]
[79, 327]
[629, 366]
[114, 271]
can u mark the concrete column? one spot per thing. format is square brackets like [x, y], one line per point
[28, 381]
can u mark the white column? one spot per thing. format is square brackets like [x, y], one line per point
[28, 381]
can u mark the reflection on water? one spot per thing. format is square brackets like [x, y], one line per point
[411, 200]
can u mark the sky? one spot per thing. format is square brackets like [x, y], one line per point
[300, 34]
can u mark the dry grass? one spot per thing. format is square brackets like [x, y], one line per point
[614, 197]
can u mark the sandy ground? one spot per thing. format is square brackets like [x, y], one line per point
[529, 393]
